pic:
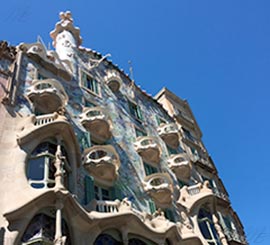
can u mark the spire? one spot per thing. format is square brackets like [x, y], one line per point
[66, 24]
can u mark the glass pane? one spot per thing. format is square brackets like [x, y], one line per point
[35, 169]
[52, 169]
[37, 185]
[204, 230]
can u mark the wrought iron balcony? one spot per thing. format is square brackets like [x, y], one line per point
[47, 95]
[180, 165]
[169, 133]
[96, 121]
[160, 187]
[102, 162]
[191, 196]
[148, 148]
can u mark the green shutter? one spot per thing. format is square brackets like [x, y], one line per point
[116, 193]
[169, 214]
[152, 206]
[89, 189]
[139, 113]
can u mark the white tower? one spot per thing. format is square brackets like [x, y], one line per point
[66, 37]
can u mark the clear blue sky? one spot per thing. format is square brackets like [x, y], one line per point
[214, 53]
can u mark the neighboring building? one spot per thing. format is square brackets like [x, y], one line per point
[87, 157]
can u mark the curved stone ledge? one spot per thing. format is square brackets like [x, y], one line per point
[47, 95]
[96, 121]
[169, 133]
[148, 148]
[102, 162]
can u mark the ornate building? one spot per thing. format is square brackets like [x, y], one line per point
[87, 157]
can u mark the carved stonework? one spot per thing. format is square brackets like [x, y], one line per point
[6, 51]
[66, 23]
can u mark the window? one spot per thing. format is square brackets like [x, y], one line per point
[41, 169]
[41, 76]
[94, 191]
[171, 151]
[90, 83]
[87, 103]
[188, 134]
[135, 111]
[160, 120]
[181, 183]
[139, 132]
[41, 230]
[207, 227]
[149, 169]
[169, 214]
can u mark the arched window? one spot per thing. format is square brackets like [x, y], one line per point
[207, 227]
[106, 239]
[41, 230]
[40, 169]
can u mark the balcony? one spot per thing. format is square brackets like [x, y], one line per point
[96, 121]
[102, 162]
[180, 165]
[113, 80]
[39, 126]
[234, 238]
[169, 133]
[204, 163]
[222, 197]
[114, 85]
[160, 187]
[184, 119]
[148, 148]
[191, 196]
[47, 95]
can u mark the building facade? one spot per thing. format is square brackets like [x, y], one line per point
[87, 157]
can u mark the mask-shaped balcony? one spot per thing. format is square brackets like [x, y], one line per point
[169, 133]
[102, 162]
[114, 85]
[160, 187]
[97, 123]
[195, 195]
[113, 80]
[180, 165]
[148, 148]
[47, 95]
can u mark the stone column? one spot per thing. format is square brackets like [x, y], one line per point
[221, 235]
[59, 239]
[59, 165]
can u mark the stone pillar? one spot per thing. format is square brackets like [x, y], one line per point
[59, 165]
[221, 235]
[59, 239]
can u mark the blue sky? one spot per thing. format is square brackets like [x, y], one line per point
[214, 53]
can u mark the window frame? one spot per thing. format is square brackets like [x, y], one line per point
[96, 90]
[135, 111]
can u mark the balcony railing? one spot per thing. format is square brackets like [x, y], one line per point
[233, 235]
[106, 206]
[47, 95]
[191, 195]
[148, 148]
[97, 122]
[169, 133]
[180, 165]
[37, 124]
[159, 187]
[102, 162]
[221, 195]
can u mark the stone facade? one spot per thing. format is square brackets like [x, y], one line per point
[87, 157]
